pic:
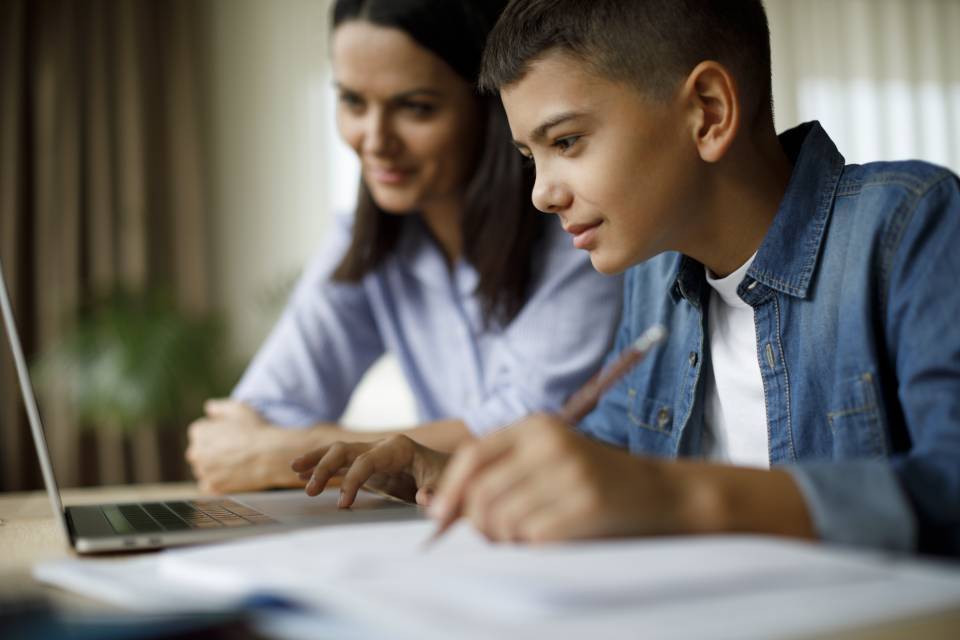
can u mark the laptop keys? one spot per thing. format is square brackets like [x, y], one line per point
[116, 520]
[152, 517]
[195, 518]
[138, 518]
[164, 517]
[246, 512]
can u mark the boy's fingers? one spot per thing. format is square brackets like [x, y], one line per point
[467, 463]
[553, 520]
[506, 518]
[508, 476]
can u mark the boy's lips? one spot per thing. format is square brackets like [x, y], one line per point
[584, 235]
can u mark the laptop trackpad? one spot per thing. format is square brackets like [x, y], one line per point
[295, 506]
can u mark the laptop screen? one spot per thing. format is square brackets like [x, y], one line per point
[30, 402]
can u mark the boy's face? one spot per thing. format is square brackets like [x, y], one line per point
[620, 169]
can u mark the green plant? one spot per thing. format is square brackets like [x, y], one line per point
[134, 359]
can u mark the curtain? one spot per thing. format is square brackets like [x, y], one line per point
[883, 76]
[101, 184]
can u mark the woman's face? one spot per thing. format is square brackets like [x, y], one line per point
[411, 119]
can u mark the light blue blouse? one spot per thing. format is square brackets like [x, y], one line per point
[427, 315]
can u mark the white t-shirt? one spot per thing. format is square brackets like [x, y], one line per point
[736, 411]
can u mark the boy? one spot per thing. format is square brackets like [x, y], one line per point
[811, 379]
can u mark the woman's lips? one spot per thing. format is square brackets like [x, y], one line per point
[584, 235]
[388, 176]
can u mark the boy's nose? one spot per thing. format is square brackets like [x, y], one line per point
[548, 196]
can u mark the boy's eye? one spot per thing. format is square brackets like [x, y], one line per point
[563, 144]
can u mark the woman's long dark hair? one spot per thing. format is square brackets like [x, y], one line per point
[499, 223]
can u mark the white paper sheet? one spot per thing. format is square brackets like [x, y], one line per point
[695, 587]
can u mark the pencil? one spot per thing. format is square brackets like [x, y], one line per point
[586, 398]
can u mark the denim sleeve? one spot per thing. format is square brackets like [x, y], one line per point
[858, 503]
[605, 422]
[923, 339]
[910, 501]
[555, 343]
[316, 354]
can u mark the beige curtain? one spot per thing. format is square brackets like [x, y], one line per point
[883, 76]
[100, 184]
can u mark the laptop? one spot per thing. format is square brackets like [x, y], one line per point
[162, 523]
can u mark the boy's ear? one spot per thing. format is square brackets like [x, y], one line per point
[713, 104]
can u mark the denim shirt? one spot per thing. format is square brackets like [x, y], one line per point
[857, 312]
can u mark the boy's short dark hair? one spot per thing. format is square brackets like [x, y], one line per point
[650, 44]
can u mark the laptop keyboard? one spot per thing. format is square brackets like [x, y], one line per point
[150, 517]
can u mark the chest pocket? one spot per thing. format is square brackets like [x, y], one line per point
[855, 421]
[649, 413]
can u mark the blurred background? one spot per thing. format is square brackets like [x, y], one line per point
[168, 166]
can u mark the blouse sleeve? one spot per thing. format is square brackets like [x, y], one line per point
[555, 343]
[323, 343]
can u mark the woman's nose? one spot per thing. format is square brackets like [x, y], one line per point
[378, 136]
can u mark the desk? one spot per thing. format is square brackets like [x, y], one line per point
[29, 534]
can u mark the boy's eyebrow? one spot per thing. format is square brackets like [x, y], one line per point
[426, 91]
[540, 133]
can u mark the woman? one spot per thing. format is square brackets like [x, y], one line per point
[445, 263]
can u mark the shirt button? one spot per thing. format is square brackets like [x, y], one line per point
[663, 417]
[693, 358]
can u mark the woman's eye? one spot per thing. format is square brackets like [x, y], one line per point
[528, 161]
[351, 100]
[419, 109]
[564, 144]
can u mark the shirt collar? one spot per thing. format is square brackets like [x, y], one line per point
[421, 257]
[788, 255]
[425, 260]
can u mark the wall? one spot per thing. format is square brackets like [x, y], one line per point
[278, 169]
[882, 76]
[270, 165]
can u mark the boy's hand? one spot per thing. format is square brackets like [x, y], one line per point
[396, 465]
[540, 481]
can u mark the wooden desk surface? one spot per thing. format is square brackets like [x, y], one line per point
[29, 534]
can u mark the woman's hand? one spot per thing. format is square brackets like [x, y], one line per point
[397, 466]
[234, 449]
